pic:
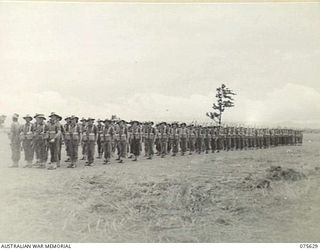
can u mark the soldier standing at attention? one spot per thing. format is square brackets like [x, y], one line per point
[14, 136]
[41, 140]
[207, 138]
[92, 136]
[213, 142]
[84, 138]
[174, 138]
[150, 134]
[67, 138]
[123, 140]
[135, 139]
[199, 139]
[183, 138]
[26, 137]
[163, 138]
[157, 140]
[107, 140]
[74, 131]
[191, 139]
[99, 142]
[54, 130]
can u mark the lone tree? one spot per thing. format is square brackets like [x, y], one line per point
[224, 100]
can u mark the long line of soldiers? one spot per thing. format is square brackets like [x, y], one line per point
[118, 137]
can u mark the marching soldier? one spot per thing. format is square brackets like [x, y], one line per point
[14, 136]
[26, 137]
[41, 140]
[99, 142]
[54, 130]
[73, 132]
[107, 136]
[92, 136]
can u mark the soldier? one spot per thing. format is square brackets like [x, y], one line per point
[92, 136]
[54, 130]
[41, 140]
[108, 132]
[207, 139]
[150, 133]
[26, 137]
[15, 143]
[67, 138]
[135, 139]
[224, 137]
[157, 140]
[199, 139]
[241, 137]
[174, 138]
[163, 138]
[99, 142]
[191, 139]
[123, 140]
[183, 138]
[73, 131]
[169, 142]
[229, 135]
[266, 138]
[214, 136]
[84, 138]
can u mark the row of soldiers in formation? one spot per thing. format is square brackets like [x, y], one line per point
[118, 137]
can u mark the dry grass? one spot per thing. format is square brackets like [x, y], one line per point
[202, 198]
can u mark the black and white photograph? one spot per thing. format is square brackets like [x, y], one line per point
[159, 122]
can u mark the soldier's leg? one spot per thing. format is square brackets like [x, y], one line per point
[43, 153]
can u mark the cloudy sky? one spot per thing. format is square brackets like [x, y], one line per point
[162, 61]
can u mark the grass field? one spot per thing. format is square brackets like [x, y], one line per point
[269, 195]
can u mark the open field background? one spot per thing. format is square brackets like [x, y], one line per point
[269, 195]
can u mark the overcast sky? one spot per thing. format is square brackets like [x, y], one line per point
[162, 61]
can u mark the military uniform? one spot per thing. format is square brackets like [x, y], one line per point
[84, 138]
[135, 139]
[150, 134]
[41, 140]
[54, 140]
[123, 138]
[107, 136]
[199, 139]
[163, 139]
[66, 138]
[73, 136]
[174, 139]
[91, 134]
[183, 138]
[26, 136]
[191, 139]
[99, 140]
[15, 142]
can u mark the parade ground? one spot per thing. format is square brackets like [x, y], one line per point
[265, 195]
